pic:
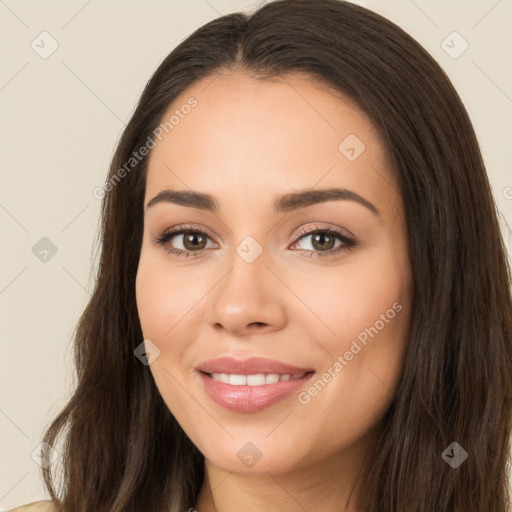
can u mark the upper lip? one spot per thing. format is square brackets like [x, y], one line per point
[250, 366]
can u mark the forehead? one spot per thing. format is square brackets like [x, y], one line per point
[255, 137]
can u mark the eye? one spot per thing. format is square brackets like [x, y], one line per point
[322, 241]
[192, 241]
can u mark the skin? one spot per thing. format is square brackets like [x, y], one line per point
[246, 142]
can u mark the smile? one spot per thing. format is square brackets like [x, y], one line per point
[258, 379]
[253, 392]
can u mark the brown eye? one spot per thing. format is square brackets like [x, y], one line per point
[193, 240]
[184, 241]
[319, 241]
[323, 242]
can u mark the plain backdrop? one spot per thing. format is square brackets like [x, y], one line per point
[61, 116]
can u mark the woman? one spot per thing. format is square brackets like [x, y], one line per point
[303, 300]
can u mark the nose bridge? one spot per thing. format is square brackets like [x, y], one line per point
[246, 294]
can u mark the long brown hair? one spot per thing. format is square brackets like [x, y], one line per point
[123, 451]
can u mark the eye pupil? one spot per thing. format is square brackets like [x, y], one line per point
[192, 237]
[325, 244]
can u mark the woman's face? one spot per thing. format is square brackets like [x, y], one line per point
[265, 280]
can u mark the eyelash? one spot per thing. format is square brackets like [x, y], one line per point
[183, 229]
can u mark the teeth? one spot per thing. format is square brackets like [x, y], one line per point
[237, 380]
[255, 380]
[272, 378]
[258, 379]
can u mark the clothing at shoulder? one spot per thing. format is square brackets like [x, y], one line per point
[36, 506]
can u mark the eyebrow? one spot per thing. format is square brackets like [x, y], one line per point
[285, 203]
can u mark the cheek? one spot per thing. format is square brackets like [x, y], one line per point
[169, 308]
[364, 313]
[347, 299]
[165, 297]
[162, 309]
[153, 300]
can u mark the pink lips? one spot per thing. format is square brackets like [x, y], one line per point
[249, 366]
[246, 398]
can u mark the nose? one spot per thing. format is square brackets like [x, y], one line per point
[248, 299]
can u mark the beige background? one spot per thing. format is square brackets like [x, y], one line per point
[60, 119]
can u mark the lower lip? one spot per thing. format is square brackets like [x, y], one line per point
[250, 398]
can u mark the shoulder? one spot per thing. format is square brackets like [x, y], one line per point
[37, 506]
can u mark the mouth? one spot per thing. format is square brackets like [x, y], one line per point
[250, 367]
[251, 393]
[255, 379]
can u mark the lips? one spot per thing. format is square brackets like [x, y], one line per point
[239, 386]
[251, 366]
